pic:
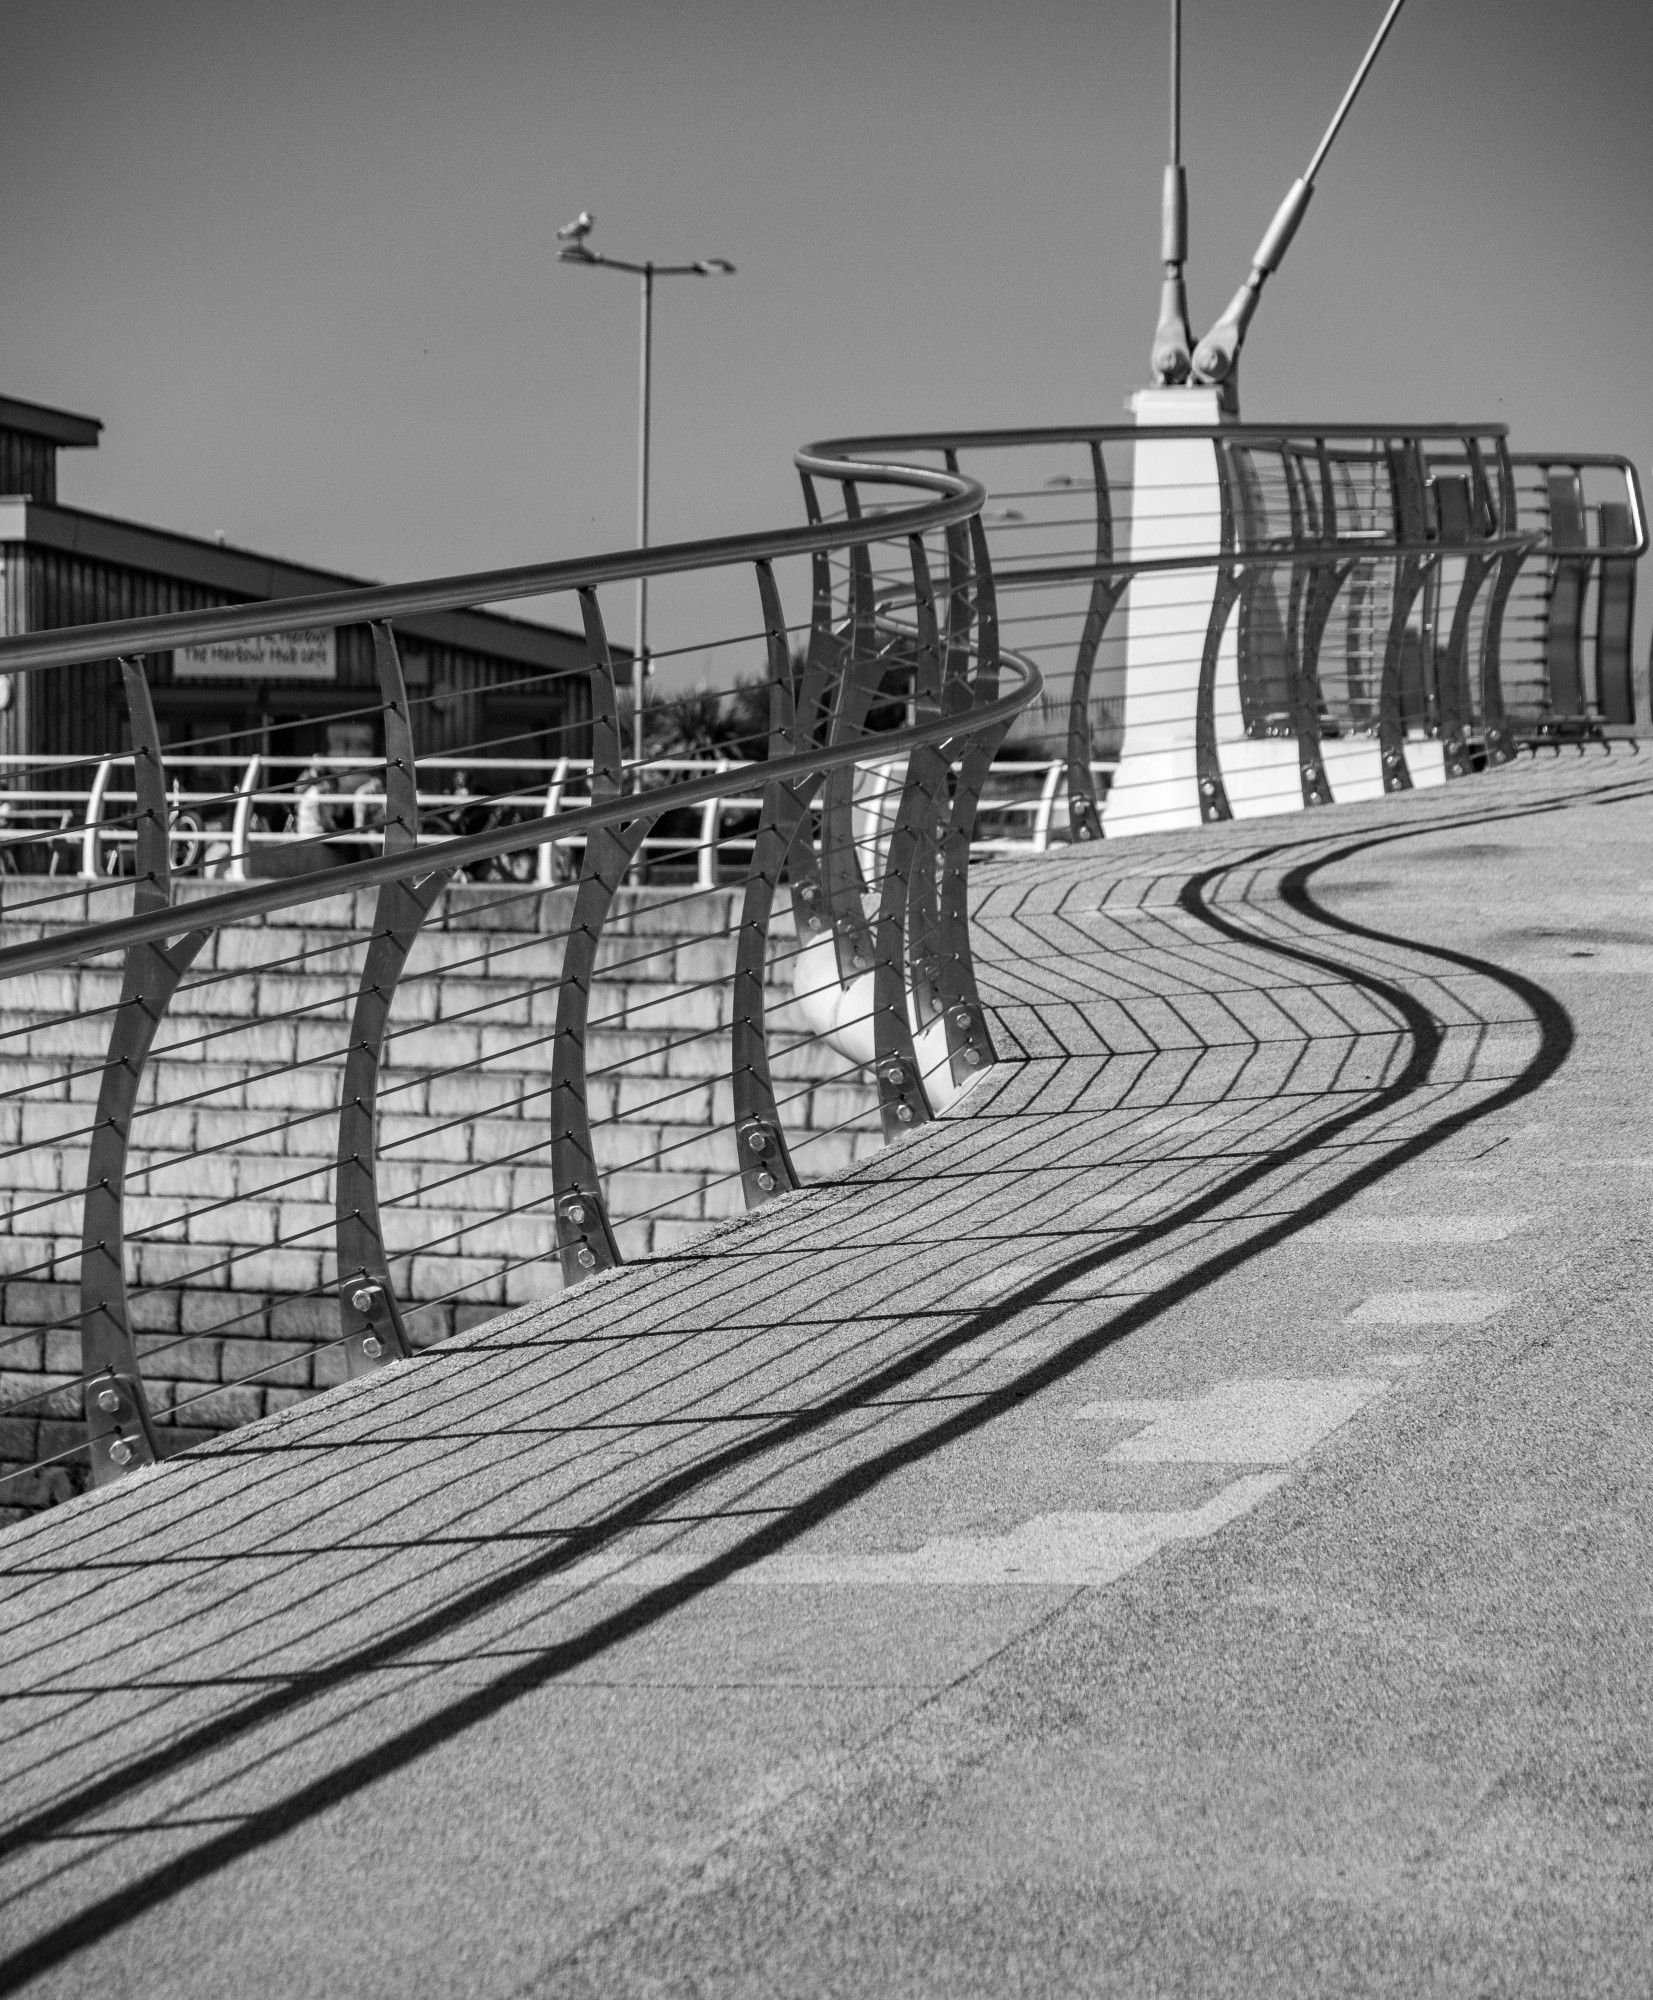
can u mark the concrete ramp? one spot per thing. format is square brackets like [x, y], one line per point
[1178, 1523]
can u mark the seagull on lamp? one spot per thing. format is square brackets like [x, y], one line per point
[572, 235]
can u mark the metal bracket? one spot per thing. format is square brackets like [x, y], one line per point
[585, 1241]
[901, 1096]
[118, 1426]
[374, 1335]
[766, 1168]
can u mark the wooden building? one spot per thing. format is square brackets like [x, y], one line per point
[478, 682]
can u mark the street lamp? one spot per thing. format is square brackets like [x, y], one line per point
[575, 251]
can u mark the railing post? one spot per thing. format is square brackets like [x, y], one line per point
[120, 1431]
[1305, 691]
[1225, 594]
[370, 1315]
[969, 1045]
[1410, 524]
[1500, 739]
[1107, 588]
[585, 1241]
[862, 670]
[766, 1168]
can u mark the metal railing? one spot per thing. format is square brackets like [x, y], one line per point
[296, 1079]
[215, 832]
[263, 1133]
[1254, 618]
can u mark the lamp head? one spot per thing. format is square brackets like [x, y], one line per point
[579, 229]
[715, 267]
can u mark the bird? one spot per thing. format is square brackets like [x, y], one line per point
[577, 230]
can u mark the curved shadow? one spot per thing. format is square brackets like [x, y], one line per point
[1424, 1037]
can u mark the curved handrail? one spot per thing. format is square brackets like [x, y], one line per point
[1403, 522]
[957, 499]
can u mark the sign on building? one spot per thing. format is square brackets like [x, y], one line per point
[274, 656]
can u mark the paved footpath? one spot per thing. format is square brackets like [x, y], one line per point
[1180, 1525]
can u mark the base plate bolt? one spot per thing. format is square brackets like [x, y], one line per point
[585, 1257]
[758, 1141]
[363, 1299]
[972, 1058]
[575, 1211]
[766, 1181]
[109, 1400]
[372, 1346]
[121, 1452]
[905, 1113]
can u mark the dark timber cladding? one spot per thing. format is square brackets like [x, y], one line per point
[474, 678]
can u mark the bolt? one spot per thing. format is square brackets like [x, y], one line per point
[575, 1211]
[861, 961]
[972, 1058]
[905, 1113]
[808, 892]
[1308, 770]
[894, 1076]
[121, 1452]
[766, 1181]
[109, 1400]
[817, 923]
[373, 1346]
[363, 1299]
[585, 1257]
[961, 1021]
[1209, 787]
[758, 1141]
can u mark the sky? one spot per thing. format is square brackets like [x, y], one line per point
[301, 259]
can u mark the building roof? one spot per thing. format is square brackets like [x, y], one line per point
[38, 420]
[242, 574]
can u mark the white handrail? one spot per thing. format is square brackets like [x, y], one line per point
[94, 812]
[545, 874]
[241, 826]
[711, 815]
[1047, 809]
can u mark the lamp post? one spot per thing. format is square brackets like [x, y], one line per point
[575, 251]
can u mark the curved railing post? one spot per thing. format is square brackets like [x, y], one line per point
[585, 1239]
[370, 1315]
[766, 1168]
[927, 772]
[842, 876]
[1305, 690]
[1500, 739]
[1107, 588]
[1411, 525]
[1463, 510]
[120, 1431]
[969, 1045]
[1208, 770]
